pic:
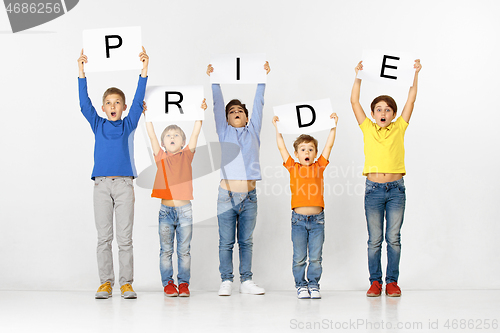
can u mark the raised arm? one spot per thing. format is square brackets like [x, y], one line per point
[331, 138]
[279, 140]
[359, 113]
[137, 104]
[86, 106]
[151, 133]
[219, 107]
[81, 60]
[258, 103]
[145, 62]
[412, 94]
[196, 130]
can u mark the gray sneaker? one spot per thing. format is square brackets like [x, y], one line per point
[128, 292]
[104, 291]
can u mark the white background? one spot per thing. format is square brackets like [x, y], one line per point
[48, 238]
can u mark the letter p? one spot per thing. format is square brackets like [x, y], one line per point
[109, 47]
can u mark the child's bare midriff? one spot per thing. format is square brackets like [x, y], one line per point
[384, 177]
[309, 210]
[174, 203]
[237, 185]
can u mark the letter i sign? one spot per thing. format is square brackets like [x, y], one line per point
[28, 14]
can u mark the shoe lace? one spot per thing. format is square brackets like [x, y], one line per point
[126, 287]
[104, 287]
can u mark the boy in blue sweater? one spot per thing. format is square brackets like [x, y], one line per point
[113, 174]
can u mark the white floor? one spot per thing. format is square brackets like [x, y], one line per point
[277, 311]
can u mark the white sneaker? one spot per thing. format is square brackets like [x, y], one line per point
[226, 287]
[303, 293]
[249, 287]
[314, 292]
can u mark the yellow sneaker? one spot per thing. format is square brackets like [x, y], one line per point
[127, 291]
[105, 291]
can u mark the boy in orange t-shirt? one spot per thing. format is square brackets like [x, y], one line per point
[174, 186]
[308, 218]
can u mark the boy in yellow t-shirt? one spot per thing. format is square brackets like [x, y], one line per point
[308, 217]
[384, 170]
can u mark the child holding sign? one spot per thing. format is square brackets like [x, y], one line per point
[237, 199]
[308, 216]
[113, 175]
[173, 185]
[384, 170]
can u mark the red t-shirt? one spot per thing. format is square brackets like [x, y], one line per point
[306, 182]
[174, 177]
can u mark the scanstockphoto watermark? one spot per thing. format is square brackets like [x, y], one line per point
[356, 324]
[339, 180]
[480, 324]
[26, 14]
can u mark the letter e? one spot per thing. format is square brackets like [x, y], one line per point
[384, 66]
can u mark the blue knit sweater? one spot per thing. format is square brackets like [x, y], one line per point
[114, 140]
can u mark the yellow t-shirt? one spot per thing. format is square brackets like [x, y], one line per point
[384, 147]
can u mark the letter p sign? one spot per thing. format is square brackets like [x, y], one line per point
[112, 49]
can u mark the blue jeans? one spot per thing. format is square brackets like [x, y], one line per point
[237, 215]
[384, 199]
[308, 235]
[175, 221]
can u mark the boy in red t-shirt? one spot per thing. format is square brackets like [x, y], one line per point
[308, 217]
[174, 186]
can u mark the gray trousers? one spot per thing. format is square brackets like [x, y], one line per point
[114, 194]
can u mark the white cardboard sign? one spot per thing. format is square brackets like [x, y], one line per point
[303, 118]
[390, 67]
[238, 68]
[112, 49]
[174, 103]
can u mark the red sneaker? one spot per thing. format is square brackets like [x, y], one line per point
[184, 290]
[392, 290]
[375, 290]
[171, 289]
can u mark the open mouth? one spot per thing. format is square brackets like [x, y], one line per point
[172, 143]
[113, 114]
[237, 117]
[307, 159]
[382, 119]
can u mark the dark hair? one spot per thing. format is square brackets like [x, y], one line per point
[388, 99]
[235, 102]
[304, 138]
[111, 91]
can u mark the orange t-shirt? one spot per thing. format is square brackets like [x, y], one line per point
[306, 182]
[174, 177]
